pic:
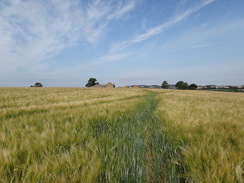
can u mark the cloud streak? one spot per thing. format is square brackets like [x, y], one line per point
[31, 31]
[161, 28]
[205, 36]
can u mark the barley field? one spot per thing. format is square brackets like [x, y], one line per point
[120, 135]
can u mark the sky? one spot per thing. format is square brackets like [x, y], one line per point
[64, 43]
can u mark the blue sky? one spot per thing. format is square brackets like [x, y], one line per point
[64, 43]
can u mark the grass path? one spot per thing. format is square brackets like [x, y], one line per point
[163, 156]
[134, 148]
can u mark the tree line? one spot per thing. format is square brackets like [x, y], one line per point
[180, 85]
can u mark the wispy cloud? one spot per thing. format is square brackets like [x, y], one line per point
[161, 28]
[99, 14]
[121, 9]
[109, 58]
[206, 36]
[31, 31]
[102, 60]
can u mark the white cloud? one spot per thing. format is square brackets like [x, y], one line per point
[161, 28]
[31, 31]
[206, 36]
[121, 10]
[109, 58]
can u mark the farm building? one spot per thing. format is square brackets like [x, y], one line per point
[108, 85]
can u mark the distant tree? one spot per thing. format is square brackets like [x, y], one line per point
[37, 85]
[181, 85]
[165, 84]
[92, 82]
[193, 86]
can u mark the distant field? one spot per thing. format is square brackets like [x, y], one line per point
[120, 135]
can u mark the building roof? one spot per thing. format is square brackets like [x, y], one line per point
[108, 85]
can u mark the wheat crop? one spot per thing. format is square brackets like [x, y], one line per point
[209, 129]
[120, 135]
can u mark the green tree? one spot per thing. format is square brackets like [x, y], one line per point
[37, 85]
[193, 86]
[165, 84]
[92, 82]
[181, 85]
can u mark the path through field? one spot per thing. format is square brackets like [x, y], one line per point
[136, 150]
[120, 135]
